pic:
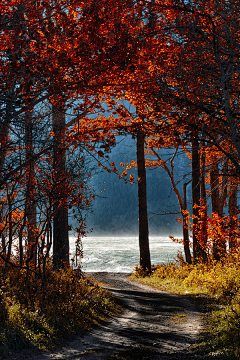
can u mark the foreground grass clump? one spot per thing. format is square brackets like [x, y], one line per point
[216, 288]
[36, 314]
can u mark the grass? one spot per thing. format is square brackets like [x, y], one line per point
[215, 287]
[38, 316]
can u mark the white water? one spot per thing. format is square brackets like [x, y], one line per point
[121, 254]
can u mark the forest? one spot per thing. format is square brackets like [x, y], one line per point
[75, 76]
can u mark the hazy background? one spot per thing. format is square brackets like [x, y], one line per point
[115, 208]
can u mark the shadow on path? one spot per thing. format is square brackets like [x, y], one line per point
[167, 324]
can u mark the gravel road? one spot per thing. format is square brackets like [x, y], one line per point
[166, 324]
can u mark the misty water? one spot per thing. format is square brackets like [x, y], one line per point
[121, 253]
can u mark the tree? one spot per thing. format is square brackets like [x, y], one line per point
[177, 63]
[31, 211]
[60, 206]
[233, 212]
[52, 51]
[182, 200]
[145, 261]
[190, 80]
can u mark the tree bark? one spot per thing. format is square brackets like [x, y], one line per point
[214, 181]
[204, 235]
[185, 227]
[4, 131]
[31, 210]
[197, 249]
[10, 233]
[219, 244]
[145, 261]
[60, 209]
[232, 211]
[223, 189]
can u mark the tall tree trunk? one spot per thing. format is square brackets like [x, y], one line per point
[145, 261]
[4, 130]
[31, 211]
[232, 211]
[60, 209]
[198, 251]
[10, 232]
[204, 235]
[214, 182]
[219, 244]
[185, 227]
[223, 189]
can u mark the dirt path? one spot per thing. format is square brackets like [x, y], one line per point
[166, 324]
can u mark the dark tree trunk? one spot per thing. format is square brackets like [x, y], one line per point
[197, 249]
[185, 228]
[214, 182]
[204, 235]
[20, 237]
[223, 190]
[145, 261]
[219, 244]
[31, 211]
[4, 130]
[60, 209]
[10, 232]
[232, 211]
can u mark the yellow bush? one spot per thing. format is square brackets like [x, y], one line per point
[221, 282]
[41, 312]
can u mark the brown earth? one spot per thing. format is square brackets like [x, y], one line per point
[164, 323]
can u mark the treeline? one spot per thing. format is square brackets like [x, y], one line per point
[68, 68]
[68, 71]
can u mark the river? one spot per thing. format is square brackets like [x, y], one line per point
[121, 253]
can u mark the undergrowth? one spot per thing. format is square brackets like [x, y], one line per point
[216, 288]
[37, 315]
